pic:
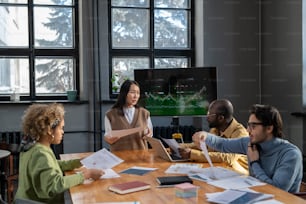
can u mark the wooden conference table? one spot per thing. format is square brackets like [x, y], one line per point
[97, 191]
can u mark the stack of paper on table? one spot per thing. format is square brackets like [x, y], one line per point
[224, 178]
[232, 196]
[213, 173]
[217, 176]
[184, 168]
[236, 182]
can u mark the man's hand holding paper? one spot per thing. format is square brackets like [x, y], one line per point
[198, 137]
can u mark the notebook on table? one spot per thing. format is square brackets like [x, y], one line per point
[172, 180]
[160, 150]
[129, 187]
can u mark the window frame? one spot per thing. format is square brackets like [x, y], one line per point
[150, 52]
[33, 53]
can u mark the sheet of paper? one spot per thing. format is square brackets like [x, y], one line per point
[125, 132]
[270, 201]
[224, 197]
[214, 173]
[205, 152]
[102, 159]
[174, 145]
[236, 182]
[184, 169]
[109, 173]
[237, 196]
[264, 196]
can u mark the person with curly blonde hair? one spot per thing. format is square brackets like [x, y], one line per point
[40, 173]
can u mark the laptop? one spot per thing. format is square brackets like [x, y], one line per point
[160, 150]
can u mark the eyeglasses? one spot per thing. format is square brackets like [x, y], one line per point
[252, 125]
[212, 114]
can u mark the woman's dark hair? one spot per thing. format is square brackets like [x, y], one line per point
[124, 90]
[269, 115]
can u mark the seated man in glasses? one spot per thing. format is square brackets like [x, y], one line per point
[271, 159]
[222, 123]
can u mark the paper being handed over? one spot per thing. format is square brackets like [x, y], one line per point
[205, 152]
[125, 132]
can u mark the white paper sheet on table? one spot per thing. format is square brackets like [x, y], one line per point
[243, 196]
[270, 201]
[183, 168]
[109, 173]
[214, 173]
[102, 159]
[236, 182]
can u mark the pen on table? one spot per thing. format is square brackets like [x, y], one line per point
[165, 186]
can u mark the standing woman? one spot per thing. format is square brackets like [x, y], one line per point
[40, 173]
[126, 114]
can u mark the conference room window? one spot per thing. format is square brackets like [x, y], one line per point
[149, 34]
[38, 49]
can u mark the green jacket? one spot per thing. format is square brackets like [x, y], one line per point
[41, 175]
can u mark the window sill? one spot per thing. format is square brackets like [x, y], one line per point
[45, 101]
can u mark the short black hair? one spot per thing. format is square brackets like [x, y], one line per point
[269, 115]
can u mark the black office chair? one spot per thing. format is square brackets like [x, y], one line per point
[302, 193]
[26, 201]
[9, 169]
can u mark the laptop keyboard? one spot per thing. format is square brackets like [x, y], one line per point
[174, 157]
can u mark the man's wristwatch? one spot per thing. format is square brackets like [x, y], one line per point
[252, 162]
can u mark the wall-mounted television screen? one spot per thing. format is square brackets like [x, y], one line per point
[177, 91]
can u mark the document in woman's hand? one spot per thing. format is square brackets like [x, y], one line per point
[102, 159]
[125, 132]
